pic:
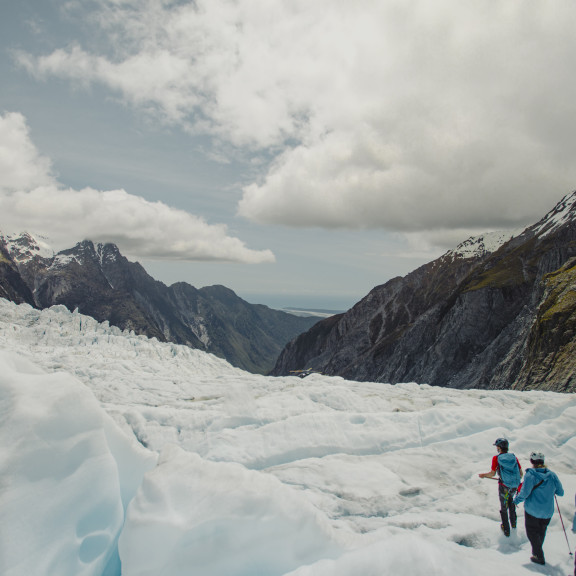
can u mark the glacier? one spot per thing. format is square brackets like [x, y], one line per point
[120, 455]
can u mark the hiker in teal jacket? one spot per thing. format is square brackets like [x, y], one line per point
[538, 492]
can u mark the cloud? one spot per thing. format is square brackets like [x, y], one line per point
[21, 165]
[394, 114]
[31, 199]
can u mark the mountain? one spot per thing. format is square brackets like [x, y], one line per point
[100, 282]
[497, 312]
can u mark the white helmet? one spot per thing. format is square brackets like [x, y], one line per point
[537, 457]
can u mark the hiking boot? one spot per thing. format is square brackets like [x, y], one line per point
[505, 530]
[513, 525]
[537, 560]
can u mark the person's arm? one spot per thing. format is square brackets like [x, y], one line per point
[559, 487]
[527, 486]
[520, 468]
[490, 474]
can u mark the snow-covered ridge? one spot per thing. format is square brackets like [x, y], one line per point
[106, 256]
[25, 246]
[63, 260]
[478, 246]
[562, 213]
[244, 474]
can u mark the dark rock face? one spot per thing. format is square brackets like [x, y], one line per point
[551, 342]
[12, 287]
[505, 319]
[100, 282]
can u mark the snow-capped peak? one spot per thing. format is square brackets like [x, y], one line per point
[477, 246]
[107, 253]
[563, 212]
[25, 246]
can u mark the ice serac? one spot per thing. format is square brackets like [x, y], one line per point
[100, 282]
[68, 473]
[485, 315]
[188, 507]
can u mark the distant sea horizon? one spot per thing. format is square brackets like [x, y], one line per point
[303, 301]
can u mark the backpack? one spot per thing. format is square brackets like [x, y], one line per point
[508, 470]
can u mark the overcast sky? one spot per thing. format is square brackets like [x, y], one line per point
[298, 152]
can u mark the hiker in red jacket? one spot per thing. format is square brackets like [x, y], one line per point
[509, 478]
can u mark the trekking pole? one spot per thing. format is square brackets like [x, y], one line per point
[561, 520]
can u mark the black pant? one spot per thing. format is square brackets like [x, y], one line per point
[507, 507]
[536, 532]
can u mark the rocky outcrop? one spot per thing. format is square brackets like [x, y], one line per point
[100, 282]
[551, 344]
[12, 287]
[485, 318]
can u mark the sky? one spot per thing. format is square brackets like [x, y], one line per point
[120, 450]
[299, 153]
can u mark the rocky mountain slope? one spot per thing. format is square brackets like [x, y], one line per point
[12, 287]
[484, 315]
[100, 282]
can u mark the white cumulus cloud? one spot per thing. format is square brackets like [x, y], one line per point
[32, 199]
[395, 114]
[21, 165]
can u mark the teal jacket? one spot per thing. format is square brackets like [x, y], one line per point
[538, 491]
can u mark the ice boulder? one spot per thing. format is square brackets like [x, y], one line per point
[194, 516]
[67, 474]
